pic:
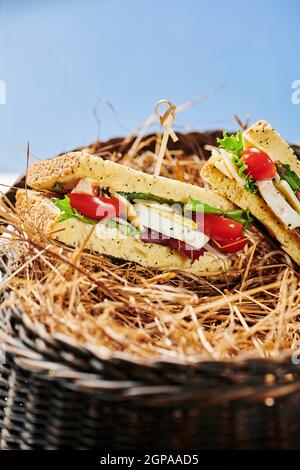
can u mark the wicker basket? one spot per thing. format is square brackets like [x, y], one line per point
[57, 394]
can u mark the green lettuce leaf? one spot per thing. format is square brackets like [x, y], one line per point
[58, 187]
[67, 211]
[288, 175]
[193, 205]
[239, 215]
[250, 184]
[232, 143]
[148, 197]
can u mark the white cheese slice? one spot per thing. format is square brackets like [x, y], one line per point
[86, 186]
[225, 158]
[281, 208]
[156, 205]
[179, 219]
[220, 165]
[129, 210]
[249, 142]
[284, 187]
[173, 227]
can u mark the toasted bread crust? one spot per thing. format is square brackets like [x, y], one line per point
[44, 174]
[39, 210]
[255, 204]
[263, 136]
[69, 168]
[36, 210]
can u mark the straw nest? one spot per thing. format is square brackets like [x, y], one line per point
[121, 306]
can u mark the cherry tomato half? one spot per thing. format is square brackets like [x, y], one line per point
[98, 208]
[220, 228]
[259, 164]
[232, 246]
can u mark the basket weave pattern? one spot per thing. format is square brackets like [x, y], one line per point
[57, 396]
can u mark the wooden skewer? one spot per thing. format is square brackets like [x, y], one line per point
[166, 121]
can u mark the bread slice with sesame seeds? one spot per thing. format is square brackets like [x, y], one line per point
[66, 170]
[39, 210]
[67, 173]
[262, 136]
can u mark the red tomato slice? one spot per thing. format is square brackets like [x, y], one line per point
[259, 164]
[98, 208]
[220, 228]
[232, 246]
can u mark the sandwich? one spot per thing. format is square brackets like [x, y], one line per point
[126, 214]
[258, 171]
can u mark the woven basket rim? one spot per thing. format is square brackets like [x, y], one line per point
[247, 379]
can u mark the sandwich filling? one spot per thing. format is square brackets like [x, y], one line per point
[190, 227]
[253, 169]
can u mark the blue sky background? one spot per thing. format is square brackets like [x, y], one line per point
[58, 57]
